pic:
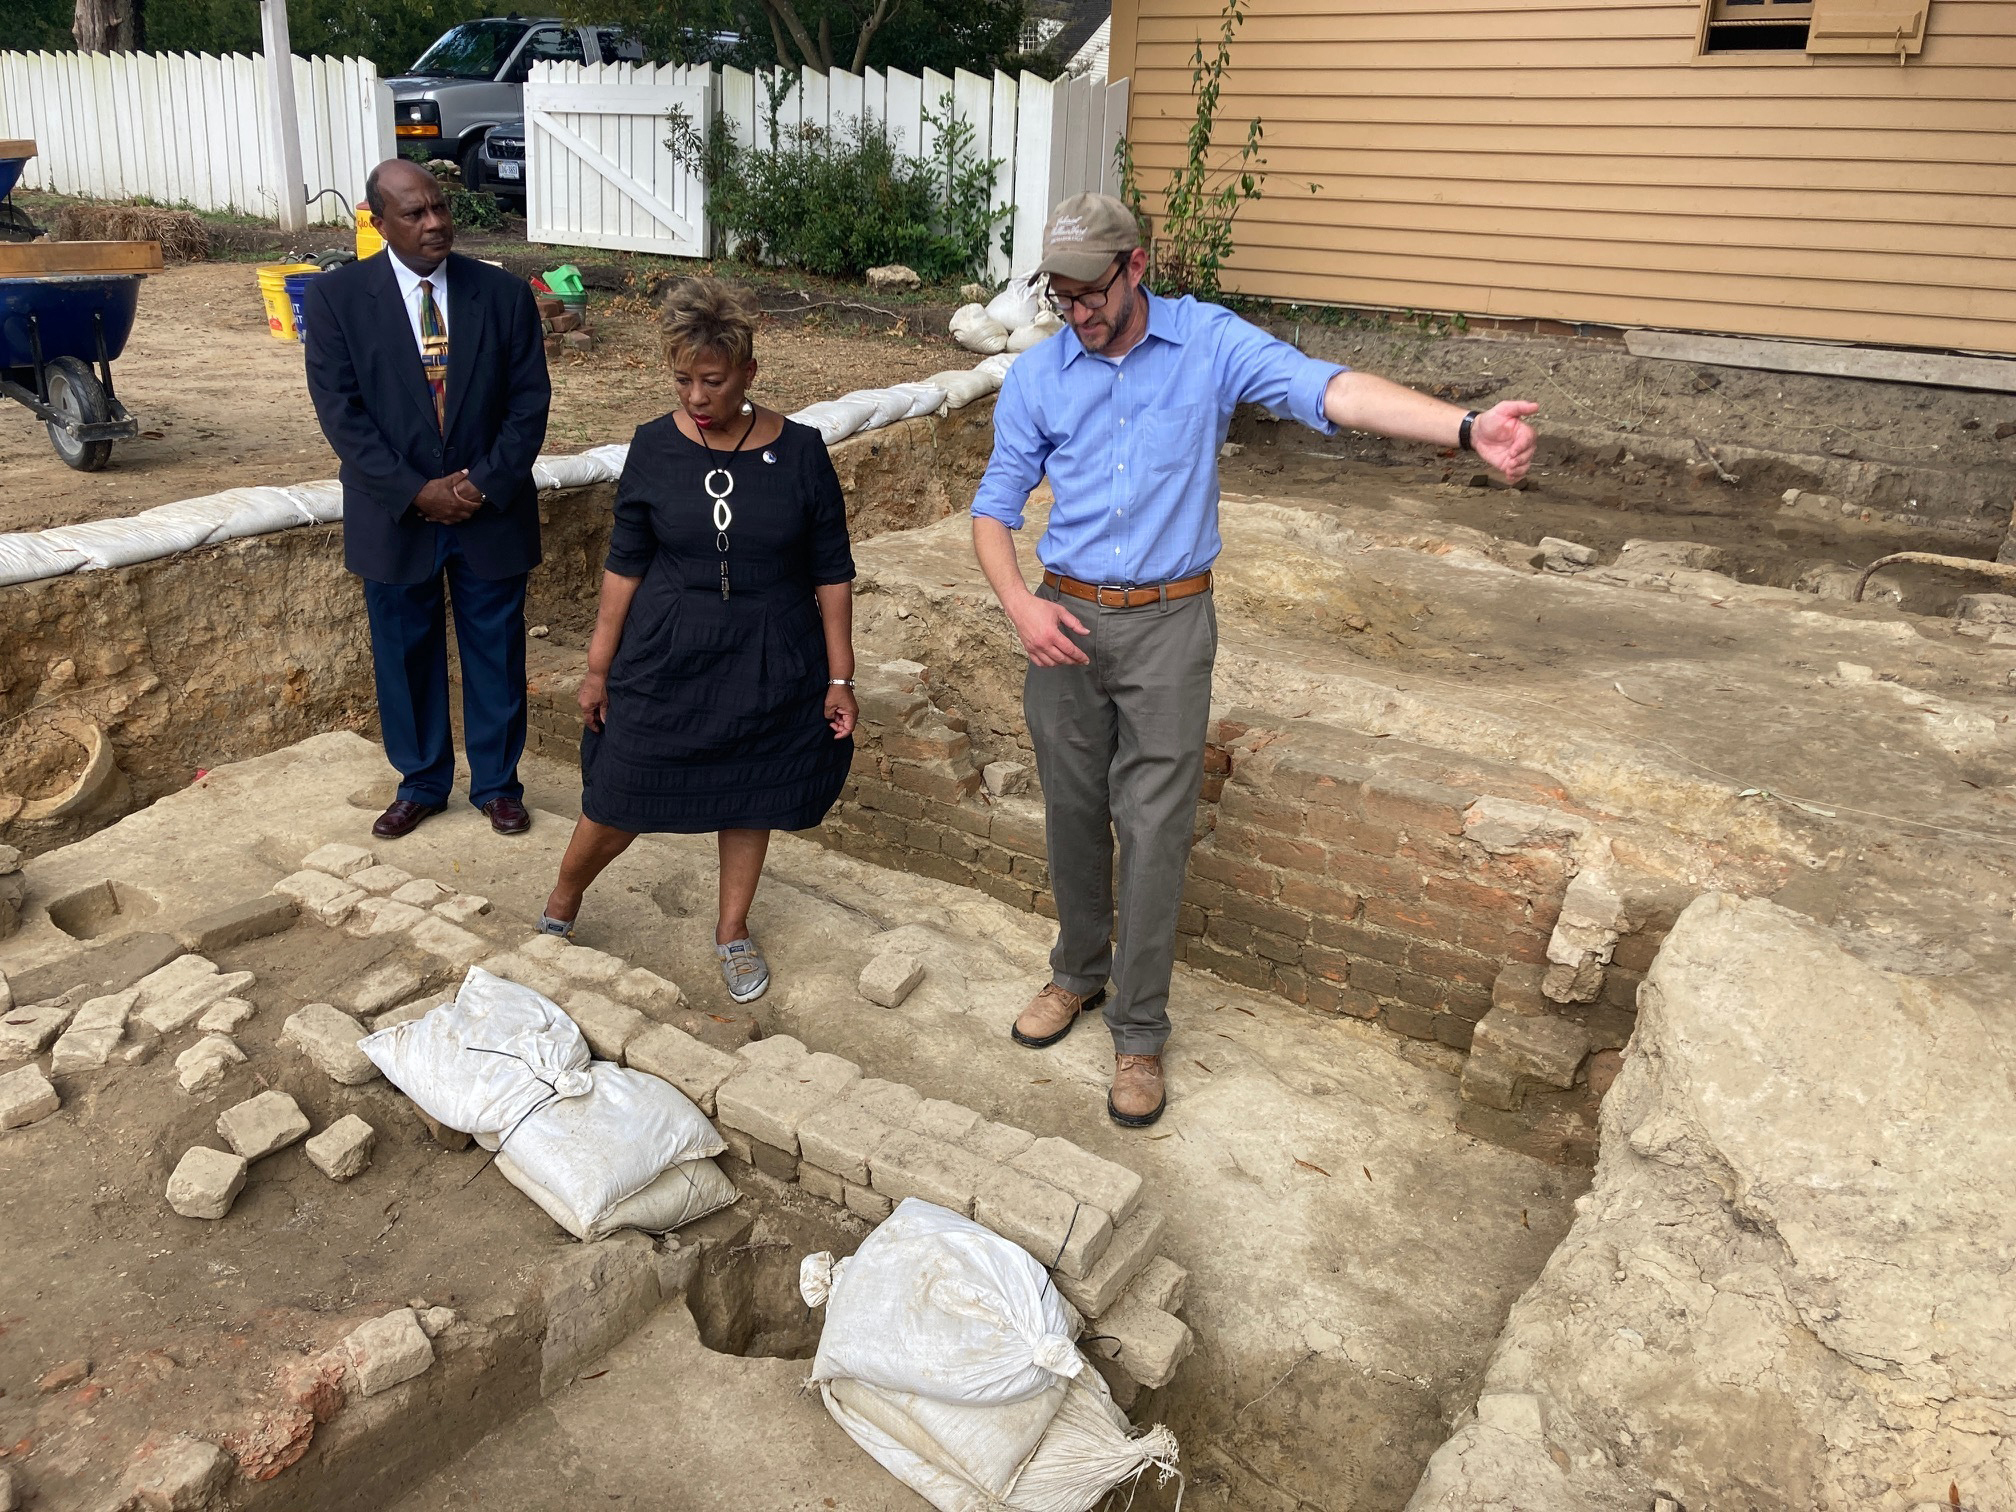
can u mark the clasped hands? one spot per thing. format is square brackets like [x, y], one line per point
[449, 500]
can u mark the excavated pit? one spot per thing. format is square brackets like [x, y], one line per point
[1422, 739]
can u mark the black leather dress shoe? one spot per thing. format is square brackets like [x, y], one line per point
[508, 816]
[404, 817]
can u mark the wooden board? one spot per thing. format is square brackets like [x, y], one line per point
[1882, 364]
[16, 149]
[34, 259]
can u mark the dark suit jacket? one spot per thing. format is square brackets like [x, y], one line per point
[371, 396]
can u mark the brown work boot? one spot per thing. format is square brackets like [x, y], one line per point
[1050, 1015]
[1137, 1098]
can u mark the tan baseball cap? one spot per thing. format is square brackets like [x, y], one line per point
[1086, 232]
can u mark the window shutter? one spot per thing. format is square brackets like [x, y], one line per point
[1889, 28]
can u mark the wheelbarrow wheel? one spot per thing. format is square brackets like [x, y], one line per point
[76, 394]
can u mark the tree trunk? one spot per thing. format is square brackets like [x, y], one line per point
[106, 25]
[868, 29]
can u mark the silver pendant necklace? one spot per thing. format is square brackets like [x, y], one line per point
[719, 485]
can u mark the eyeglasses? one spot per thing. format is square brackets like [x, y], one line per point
[1091, 299]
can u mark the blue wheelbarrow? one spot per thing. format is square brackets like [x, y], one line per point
[14, 223]
[66, 309]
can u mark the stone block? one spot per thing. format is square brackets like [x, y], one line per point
[343, 1149]
[832, 1072]
[842, 1138]
[460, 908]
[165, 981]
[769, 1107]
[527, 972]
[775, 1052]
[25, 1096]
[183, 1006]
[944, 1120]
[261, 1125]
[406, 1013]
[206, 1063]
[94, 1033]
[995, 1141]
[206, 1182]
[1144, 1341]
[866, 1202]
[314, 890]
[890, 978]
[892, 1102]
[1005, 779]
[136, 1052]
[440, 1133]
[375, 916]
[435, 1321]
[337, 910]
[452, 943]
[225, 1016]
[648, 991]
[339, 860]
[694, 1067]
[1541, 1047]
[25, 1032]
[738, 1145]
[1132, 1248]
[608, 1026]
[1082, 1174]
[253, 919]
[328, 1037]
[380, 879]
[773, 1162]
[1124, 1389]
[1516, 989]
[1055, 1227]
[578, 962]
[908, 1164]
[388, 982]
[1161, 1285]
[423, 892]
[388, 1351]
[821, 1184]
[181, 1475]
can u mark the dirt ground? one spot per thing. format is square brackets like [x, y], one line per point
[221, 403]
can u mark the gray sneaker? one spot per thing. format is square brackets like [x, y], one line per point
[743, 969]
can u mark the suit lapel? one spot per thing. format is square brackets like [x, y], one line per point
[466, 326]
[412, 377]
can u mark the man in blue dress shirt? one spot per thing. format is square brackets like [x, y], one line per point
[1125, 412]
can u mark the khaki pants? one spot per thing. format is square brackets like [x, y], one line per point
[1120, 753]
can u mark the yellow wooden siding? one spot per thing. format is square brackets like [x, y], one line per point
[1576, 160]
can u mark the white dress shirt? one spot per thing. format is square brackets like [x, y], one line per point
[409, 292]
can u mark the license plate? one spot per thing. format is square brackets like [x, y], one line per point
[510, 170]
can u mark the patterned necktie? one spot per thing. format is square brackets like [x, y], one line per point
[434, 352]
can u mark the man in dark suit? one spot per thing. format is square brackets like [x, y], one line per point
[428, 373]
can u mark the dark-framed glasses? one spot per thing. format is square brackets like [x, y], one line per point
[1091, 299]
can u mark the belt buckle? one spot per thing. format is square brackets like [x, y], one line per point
[1100, 590]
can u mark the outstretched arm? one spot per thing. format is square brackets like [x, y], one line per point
[1500, 435]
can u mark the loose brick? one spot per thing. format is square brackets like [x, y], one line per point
[314, 891]
[339, 860]
[842, 1138]
[253, 919]
[261, 1125]
[781, 1165]
[342, 1150]
[693, 1066]
[891, 1102]
[424, 892]
[587, 967]
[648, 991]
[1055, 1227]
[388, 1351]
[182, 1475]
[941, 781]
[866, 1202]
[1145, 1342]
[389, 982]
[205, 1183]
[769, 1106]
[1131, 1248]
[376, 916]
[994, 1141]
[774, 1052]
[26, 1096]
[1160, 1286]
[914, 1165]
[1540, 1047]
[328, 1037]
[380, 880]
[890, 978]
[1083, 1174]
[93, 1034]
[179, 1008]
[461, 908]
[821, 1184]
[206, 1063]
[944, 1120]
[447, 942]
[929, 745]
[526, 972]
[608, 1026]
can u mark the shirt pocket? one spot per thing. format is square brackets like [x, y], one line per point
[1170, 438]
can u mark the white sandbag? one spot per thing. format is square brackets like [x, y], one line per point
[964, 385]
[944, 1489]
[977, 331]
[1020, 302]
[925, 398]
[996, 367]
[591, 1151]
[610, 457]
[983, 1447]
[577, 471]
[681, 1194]
[484, 1061]
[28, 557]
[257, 511]
[933, 1303]
[1087, 1450]
[1042, 328]
[158, 532]
[836, 419]
[321, 501]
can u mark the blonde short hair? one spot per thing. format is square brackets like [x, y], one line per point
[705, 315]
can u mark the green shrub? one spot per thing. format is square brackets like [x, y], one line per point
[839, 202]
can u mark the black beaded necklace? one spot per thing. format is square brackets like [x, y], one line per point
[724, 515]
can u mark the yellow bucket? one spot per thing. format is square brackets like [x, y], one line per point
[273, 290]
[368, 239]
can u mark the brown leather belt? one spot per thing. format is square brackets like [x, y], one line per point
[1113, 596]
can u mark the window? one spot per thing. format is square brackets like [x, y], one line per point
[549, 44]
[1884, 28]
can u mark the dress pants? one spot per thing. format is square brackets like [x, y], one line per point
[409, 655]
[1120, 753]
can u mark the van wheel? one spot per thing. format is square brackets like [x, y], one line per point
[467, 163]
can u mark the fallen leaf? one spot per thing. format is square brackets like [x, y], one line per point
[1309, 1167]
[1368, 1172]
[719, 1019]
[595, 1377]
[1202, 1067]
[1522, 1219]
[1247, 1011]
[1041, 1081]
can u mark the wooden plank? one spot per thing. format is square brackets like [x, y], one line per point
[36, 259]
[1035, 112]
[1883, 365]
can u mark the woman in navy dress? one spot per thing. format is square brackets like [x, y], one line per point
[719, 696]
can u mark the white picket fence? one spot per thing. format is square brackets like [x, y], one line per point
[1055, 139]
[190, 130]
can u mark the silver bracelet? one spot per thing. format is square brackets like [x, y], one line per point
[839, 682]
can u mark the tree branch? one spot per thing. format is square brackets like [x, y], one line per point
[782, 10]
[881, 13]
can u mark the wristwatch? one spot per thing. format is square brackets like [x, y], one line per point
[840, 682]
[1463, 432]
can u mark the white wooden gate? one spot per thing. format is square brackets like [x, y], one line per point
[599, 173]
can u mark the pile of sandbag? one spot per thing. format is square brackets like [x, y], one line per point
[599, 1147]
[1012, 321]
[948, 1355]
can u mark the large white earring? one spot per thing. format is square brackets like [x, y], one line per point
[748, 408]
